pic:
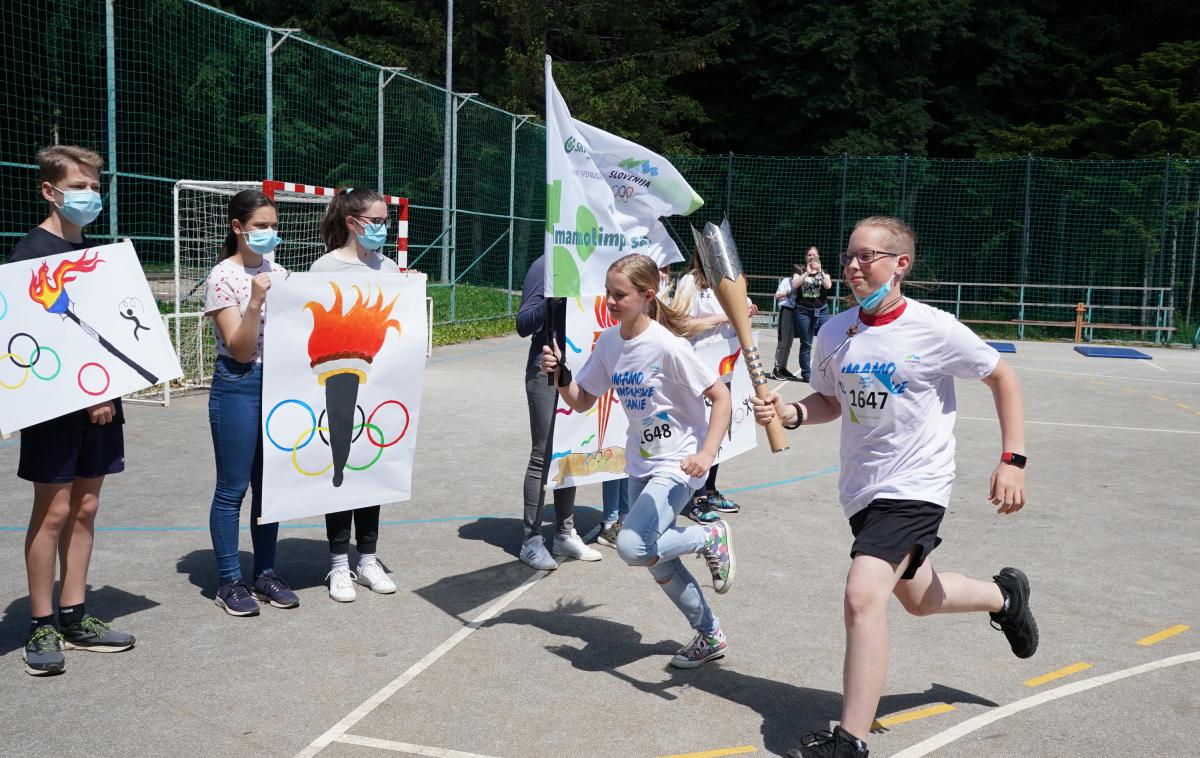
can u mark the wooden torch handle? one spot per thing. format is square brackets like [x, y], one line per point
[732, 297]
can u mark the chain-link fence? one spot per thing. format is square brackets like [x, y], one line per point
[175, 89]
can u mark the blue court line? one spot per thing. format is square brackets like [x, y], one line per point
[440, 520]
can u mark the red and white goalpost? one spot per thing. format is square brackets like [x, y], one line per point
[201, 223]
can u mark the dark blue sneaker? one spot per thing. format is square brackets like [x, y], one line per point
[93, 634]
[234, 597]
[271, 589]
[44, 652]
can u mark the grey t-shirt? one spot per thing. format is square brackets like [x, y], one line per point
[330, 263]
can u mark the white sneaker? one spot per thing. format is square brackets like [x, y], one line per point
[570, 546]
[373, 576]
[341, 585]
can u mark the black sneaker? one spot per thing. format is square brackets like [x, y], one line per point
[700, 511]
[43, 652]
[825, 744]
[93, 634]
[1017, 622]
[722, 504]
[608, 534]
[271, 589]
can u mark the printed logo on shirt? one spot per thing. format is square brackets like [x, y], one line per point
[911, 360]
[630, 387]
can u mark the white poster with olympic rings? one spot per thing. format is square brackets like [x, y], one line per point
[589, 447]
[77, 329]
[343, 364]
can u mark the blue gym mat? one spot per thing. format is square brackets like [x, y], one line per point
[1092, 351]
[1003, 347]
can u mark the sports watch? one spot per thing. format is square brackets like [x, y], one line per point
[1016, 459]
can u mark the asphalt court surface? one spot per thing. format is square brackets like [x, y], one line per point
[477, 655]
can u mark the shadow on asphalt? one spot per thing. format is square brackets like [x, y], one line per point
[788, 711]
[106, 603]
[300, 562]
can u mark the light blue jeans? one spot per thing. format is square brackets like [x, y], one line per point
[649, 532]
[616, 500]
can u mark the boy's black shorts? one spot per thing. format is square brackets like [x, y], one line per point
[58, 453]
[891, 529]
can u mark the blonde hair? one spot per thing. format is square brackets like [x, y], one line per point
[55, 161]
[643, 275]
[902, 233]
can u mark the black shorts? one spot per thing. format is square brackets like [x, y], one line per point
[58, 453]
[891, 529]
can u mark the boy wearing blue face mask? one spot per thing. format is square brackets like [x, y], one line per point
[235, 299]
[354, 230]
[68, 457]
[886, 370]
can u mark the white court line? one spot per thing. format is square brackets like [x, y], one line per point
[358, 714]
[1109, 376]
[925, 747]
[1088, 426]
[404, 747]
[1150, 363]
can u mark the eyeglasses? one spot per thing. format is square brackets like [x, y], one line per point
[373, 220]
[864, 256]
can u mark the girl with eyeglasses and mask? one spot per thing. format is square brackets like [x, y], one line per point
[354, 230]
[235, 299]
[886, 369]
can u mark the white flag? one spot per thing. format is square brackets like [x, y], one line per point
[604, 198]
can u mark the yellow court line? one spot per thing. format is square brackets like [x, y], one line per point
[1074, 668]
[901, 718]
[1164, 634]
[1130, 389]
[1183, 406]
[1158, 397]
[717, 753]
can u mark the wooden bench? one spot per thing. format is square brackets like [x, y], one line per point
[1078, 323]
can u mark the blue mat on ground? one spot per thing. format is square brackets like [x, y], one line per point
[1003, 347]
[1092, 351]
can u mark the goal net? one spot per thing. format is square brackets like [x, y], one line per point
[201, 224]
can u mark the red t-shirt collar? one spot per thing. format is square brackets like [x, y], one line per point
[870, 319]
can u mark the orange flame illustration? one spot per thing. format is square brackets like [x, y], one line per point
[49, 292]
[357, 334]
[728, 362]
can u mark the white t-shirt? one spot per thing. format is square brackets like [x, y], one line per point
[659, 381]
[785, 288]
[704, 303]
[895, 383]
[228, 286]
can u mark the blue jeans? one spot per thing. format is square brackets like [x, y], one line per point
[808, 322]
[616, 500]
[649, 532]
[234, 411]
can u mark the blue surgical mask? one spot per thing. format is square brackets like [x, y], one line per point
[262, 241]
[872, 300]
[80, 207]
[373, 237]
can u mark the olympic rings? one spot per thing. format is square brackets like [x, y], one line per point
[33, 363]
[33, 358]
[19, 384]
[102, 390]
[362, 425]
[378, 449]
[399, 437]
[323, 429]
[5, 299]
[311, 432]
[297, 446]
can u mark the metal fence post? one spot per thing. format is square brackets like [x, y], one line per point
[512, 199]
[110, 70]
[270, 108]
[1025, 246]
[728, 184]
[447, 157]
[842, 201]
[379, 136]
[903, 187]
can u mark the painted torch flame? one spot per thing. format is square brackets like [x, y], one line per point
[48, 291]
[348, 342]
[604, 320]
[728, 362]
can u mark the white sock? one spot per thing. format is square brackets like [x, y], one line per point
[339, 561]
[365, 558]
